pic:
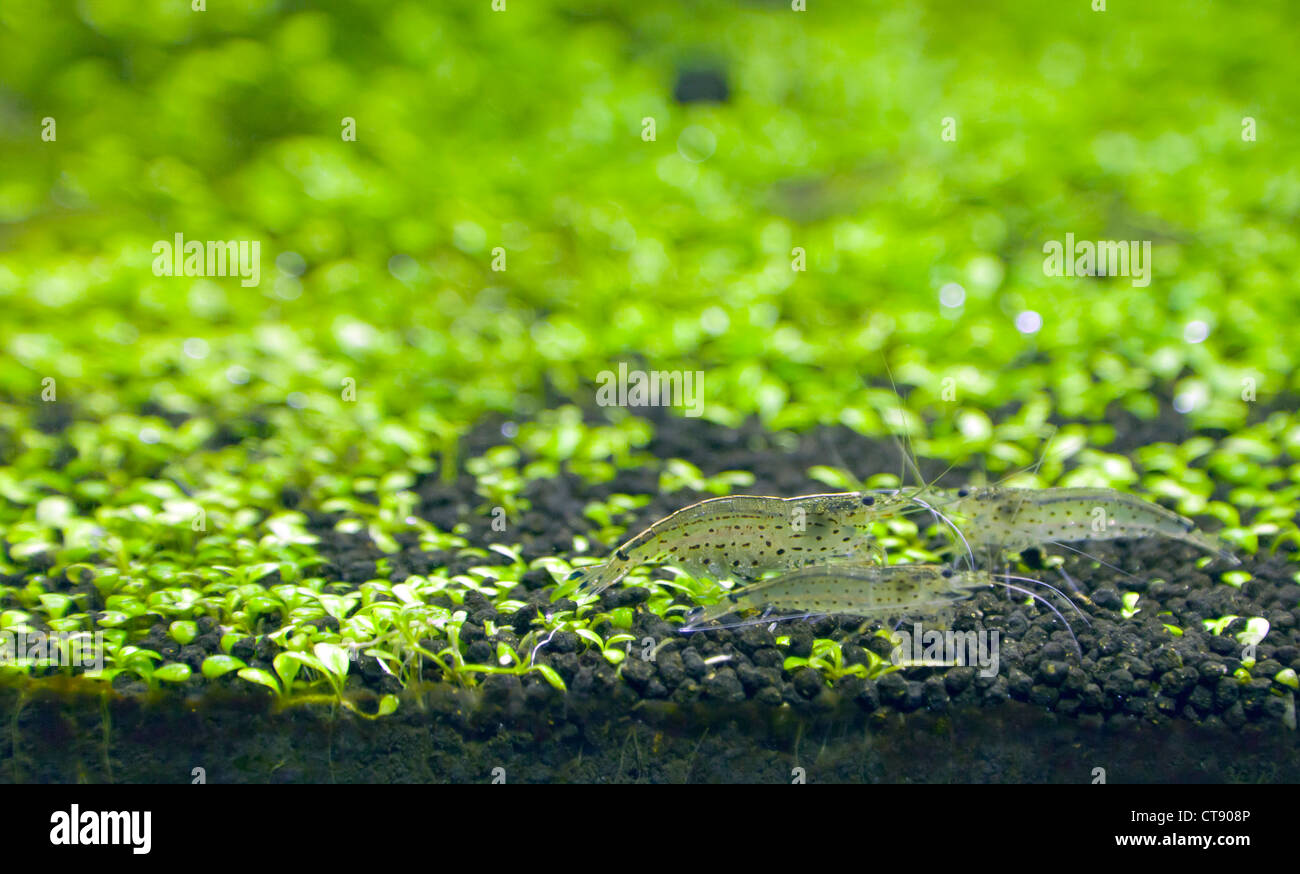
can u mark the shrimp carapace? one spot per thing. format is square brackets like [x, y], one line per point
[744, 536]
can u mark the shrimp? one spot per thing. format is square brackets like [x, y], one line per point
[1003, 519]
[858, 590]
[1011, 519]
[865, 590]
[744, 536]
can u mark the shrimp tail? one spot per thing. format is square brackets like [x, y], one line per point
[1202, 540]
[1211, 545]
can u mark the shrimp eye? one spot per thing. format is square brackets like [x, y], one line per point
[947, 572]
[962, 493]
[868, 501]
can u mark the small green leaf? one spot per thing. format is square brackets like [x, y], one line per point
[262, 604]
[55, 511]
[1256, 630]
[384, 541]
[14, 619]
[387, 705]
[139, 660]
[834, 477]
[173, 672]
[506, 655]
[1130, 608]
[287, 665]
[1216, 626]
[184, 631]
[333, 657]
[551, 676]
[55, 604]
[1236, 578]
[257, 675]
[215, 666]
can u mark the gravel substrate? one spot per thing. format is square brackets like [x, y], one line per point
[1140, 697]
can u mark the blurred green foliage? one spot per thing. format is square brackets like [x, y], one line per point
[523, 130]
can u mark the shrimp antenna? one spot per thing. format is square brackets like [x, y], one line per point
[1034, 467]
[764, 619]
[840, 459]
[1048, 604]
[905, 447]
[1042, 456]
[1089, 555]
[908, 452]
[1063, 596]
[1047, 448]
[939, 515]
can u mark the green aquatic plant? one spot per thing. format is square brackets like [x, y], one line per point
[827, 658]
[172, 672]
[216, 666]
[1130, 608]
[679, 474]
[183, 632]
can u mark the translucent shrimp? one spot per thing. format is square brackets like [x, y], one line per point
[745, 536]
[864, 590]
[857, 590]
[1011, 519]
[1002, 519]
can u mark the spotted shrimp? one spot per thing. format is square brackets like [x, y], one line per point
[1009, 520]
[745, 536]
[915, 590]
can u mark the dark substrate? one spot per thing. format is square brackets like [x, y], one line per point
[459, 737]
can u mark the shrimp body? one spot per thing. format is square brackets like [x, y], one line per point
[1010, 519]
[744, 536]
[856, 590]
